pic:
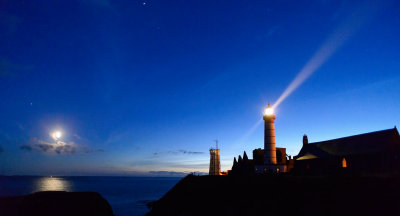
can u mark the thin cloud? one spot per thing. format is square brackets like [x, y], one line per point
[178, 152]
[56, 147]
[190, 152]
[26, 148]
[192, 166]
[77, 136]
[172, 173]
[93, 150]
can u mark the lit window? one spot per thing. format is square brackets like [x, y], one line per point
[344, 163]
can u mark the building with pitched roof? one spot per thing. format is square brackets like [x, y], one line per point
[375, 152]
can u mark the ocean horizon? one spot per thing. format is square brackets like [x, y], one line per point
[127, 195]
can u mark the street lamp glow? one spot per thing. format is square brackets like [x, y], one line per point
[269, 110]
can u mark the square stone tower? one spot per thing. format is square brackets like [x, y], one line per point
[215, 166]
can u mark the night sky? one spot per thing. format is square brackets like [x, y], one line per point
[143, 88]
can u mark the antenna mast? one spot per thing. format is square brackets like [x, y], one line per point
[216, 142]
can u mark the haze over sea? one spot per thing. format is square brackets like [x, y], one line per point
[126, 195]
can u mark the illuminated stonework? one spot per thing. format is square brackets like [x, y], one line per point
[215, 166]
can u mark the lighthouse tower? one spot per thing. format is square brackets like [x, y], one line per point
[269, 137]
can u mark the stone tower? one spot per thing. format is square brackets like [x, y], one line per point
[215, 166]
[269, 137]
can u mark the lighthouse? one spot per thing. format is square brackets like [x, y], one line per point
[270, 159]
[269, 137]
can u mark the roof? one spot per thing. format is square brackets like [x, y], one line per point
[374, 142]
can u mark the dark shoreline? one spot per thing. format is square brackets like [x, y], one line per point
[282, 195]
[235, 195]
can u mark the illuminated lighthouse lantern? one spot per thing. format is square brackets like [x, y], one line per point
[271, 159]
[269, 137]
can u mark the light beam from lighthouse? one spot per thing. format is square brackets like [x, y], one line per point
[269, 136]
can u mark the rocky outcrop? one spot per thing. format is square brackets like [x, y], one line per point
[281, 195]
[56, 203]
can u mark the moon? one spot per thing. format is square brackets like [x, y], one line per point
[57, 134]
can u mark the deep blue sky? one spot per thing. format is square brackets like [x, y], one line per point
[144, 87]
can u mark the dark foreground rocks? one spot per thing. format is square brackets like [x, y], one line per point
[281, 195]
[56, 203]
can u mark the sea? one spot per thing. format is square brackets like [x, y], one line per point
[127, 195]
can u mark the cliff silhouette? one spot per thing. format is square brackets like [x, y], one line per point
[281, 195]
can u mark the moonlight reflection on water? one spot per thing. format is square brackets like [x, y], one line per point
[52, 184]
[126, 195]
